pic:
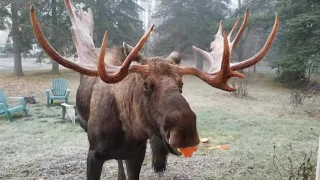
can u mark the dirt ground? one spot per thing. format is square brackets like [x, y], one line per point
[43, 146]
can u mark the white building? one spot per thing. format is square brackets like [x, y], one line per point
[3, 39]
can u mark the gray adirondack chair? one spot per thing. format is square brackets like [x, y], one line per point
[6, 109]
[59, 91]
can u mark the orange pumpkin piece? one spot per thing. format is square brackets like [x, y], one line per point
[188, 151]
[224, 147]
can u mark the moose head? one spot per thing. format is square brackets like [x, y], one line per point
[125, 104]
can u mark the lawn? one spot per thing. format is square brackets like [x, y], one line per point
[43, 146]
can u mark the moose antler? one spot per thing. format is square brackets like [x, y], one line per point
[82, 31]
[220, 79]
[221, 70]
[125, 68]
[214, 57]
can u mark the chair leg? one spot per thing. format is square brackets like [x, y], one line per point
[25, 111]
[48, 101]
[63, 112]
[9, 116]
[51, 101]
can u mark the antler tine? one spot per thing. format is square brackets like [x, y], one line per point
[220, 79]
[206, 54]
[101, 64]
[52, 52]
[135, 50]
[82, 32]
[124, 69]
[220, 29]
[83, 15]
[256, 58]
[233, 29]
[69, 8]
[241, 30]
[225, 72]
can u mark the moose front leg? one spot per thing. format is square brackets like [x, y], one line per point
[94, 165]
[134, 163]
[121, 173]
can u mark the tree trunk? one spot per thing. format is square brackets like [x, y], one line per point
[309, 73]
[149, 47]
[318, 163]
[241, 47]
[255, 52]
[16, 41]
[199, 60]
[55, 65]
[240, 53]
[101, 18]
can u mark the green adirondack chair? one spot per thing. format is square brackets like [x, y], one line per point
[5, 109]
[59, 91]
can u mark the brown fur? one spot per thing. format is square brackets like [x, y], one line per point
[120, 118]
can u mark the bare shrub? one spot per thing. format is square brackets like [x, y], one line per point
[297, 97]
[295, 168]
[242, 85]
[314, 90]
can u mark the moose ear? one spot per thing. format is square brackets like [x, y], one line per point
[174, 57]
[127, 49]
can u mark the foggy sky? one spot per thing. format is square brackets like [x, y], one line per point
[234, 3]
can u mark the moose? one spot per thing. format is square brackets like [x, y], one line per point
[126, 98]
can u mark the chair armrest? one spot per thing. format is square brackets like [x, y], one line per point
[21, 100]
[47, 91]
[15, 98]
[67, 92]
[2, 106]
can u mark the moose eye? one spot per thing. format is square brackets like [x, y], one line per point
[147, 89]
[146, 86]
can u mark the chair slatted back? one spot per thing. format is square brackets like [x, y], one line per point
[59, 87]
[3, 99]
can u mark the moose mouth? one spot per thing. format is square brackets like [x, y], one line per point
[186, 151]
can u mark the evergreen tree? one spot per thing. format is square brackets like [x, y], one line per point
[13, 17]
[119, 17]
[261, 19]
[299, 40]
[56, 25]
[187, 23]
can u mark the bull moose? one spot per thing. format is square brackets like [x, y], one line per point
[122, 104]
